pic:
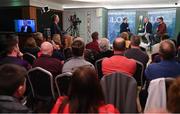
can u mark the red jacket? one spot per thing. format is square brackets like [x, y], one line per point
[102, 109]
[161, 28]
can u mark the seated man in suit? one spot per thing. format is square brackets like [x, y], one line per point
[12, 88]
[118, 62]
[168, 67]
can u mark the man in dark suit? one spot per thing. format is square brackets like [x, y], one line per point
[55, 29]
[147, 29]
[26, 27]
[124, 27]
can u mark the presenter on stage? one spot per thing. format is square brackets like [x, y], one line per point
[147, 29]
[161, 29]
[124, 27]
[55, 29]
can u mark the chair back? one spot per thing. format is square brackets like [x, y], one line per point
[41, 82]
[29, 58]
[98, 67]
[121, 90]
[139, 74]
[62, 82]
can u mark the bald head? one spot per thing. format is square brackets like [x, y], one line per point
[119, 44]
[46, 48]
[167, 49]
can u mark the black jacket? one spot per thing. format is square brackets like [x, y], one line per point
[55, 29]
[124, 27]
[10, 104]
[148, 28]
[29, 29]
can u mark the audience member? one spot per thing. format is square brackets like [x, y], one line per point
[155, 48]
[67, 47]
[11, 53]
[135, 51]
[118, 62]
[104, 46]
[85, 95]
[94, 44]
[77, 60]
[38, 38]
[46, 60]
[31, 47]
[58, 49]
[168, 67]
[125, 36]
[12, 88]
[173, 104]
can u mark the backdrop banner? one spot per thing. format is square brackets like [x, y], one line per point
[115, 18]
[169, 16]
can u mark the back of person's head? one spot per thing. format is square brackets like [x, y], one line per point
[30, 42]
[12, 80]
[57, 39]
[124, 35]
[164, 37]
[46, 48]
[173, 104]
[104, 44]
[135, 40]
[68, 41]
[85, 92]
[78, 47]
[119, 44]
[67, 53]
[38, 36]
[9, 44]
[95, 35]
[167, 50]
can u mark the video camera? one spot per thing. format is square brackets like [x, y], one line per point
[74, 20]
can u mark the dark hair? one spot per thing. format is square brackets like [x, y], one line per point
[164, 37]
[124, 18]
[11, 77]
[8, 42]
[167, 49]
[85, 92]
[67, 53]
[135, 40]
[161, 18]
[78, 48]
[94, 35]
[173, 103]
[119, 44]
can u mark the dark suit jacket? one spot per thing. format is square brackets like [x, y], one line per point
[148, 28]
[124, 27]
[55, 29]
[29, 29]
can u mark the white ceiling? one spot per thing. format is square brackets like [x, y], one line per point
[113, 4]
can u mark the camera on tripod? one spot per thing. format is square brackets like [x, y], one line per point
[75, 21]
[74, 28]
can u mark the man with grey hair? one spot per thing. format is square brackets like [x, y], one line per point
[168, 67]
[104, 46]
[46, 60]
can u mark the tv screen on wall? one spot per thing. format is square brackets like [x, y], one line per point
[25, 26]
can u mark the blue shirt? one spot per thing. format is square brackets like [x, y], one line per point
[164, 68]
